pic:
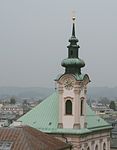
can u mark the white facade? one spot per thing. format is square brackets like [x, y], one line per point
[76, 118]
[97, 141]
[76, 95]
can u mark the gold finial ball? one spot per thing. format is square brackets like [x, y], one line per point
[73, 18]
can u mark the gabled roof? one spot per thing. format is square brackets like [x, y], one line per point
[28, 138]
[44, 117]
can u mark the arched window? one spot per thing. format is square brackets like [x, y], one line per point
[82, 105]
[88, 148]
[96, 148]
[68, 107]
[104, 146]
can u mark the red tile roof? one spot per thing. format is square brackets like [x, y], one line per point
[28, 138]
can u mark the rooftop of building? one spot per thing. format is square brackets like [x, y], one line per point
[44, 117]
[28, 138]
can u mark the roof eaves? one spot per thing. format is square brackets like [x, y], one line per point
[101, 128]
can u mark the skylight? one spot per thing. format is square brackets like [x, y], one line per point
[5, 145]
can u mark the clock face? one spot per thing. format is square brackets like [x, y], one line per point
[68, 83]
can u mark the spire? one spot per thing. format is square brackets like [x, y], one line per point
[73, 63]
[73, 48]
[73, 29]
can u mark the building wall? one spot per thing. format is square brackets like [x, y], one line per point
[13, 109]
[90, 141]
[4, 123]
[76, 95]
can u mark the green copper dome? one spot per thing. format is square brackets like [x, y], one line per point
[73, 62]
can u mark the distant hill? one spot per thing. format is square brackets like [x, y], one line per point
[102, 92]
[31, 92]
[25, 92]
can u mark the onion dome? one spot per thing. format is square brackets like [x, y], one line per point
[73, 62]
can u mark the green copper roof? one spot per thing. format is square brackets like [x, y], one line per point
[45, 118]
[93, 120]
[73, 62]
[77, 76]
[44, 115]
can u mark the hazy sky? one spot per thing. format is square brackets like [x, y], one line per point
[34, 37]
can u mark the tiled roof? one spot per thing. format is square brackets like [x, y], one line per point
[45, 118]
[28, 138]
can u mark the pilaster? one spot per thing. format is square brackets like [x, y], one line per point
[60, 91]
[77, 91]
[100, 144]
[85, 92]
[108, 143]
[92, 145]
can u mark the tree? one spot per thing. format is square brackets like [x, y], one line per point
[12, 100]
[112, 105]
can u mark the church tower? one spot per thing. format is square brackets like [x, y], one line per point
[72, 88]
[65, 114]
